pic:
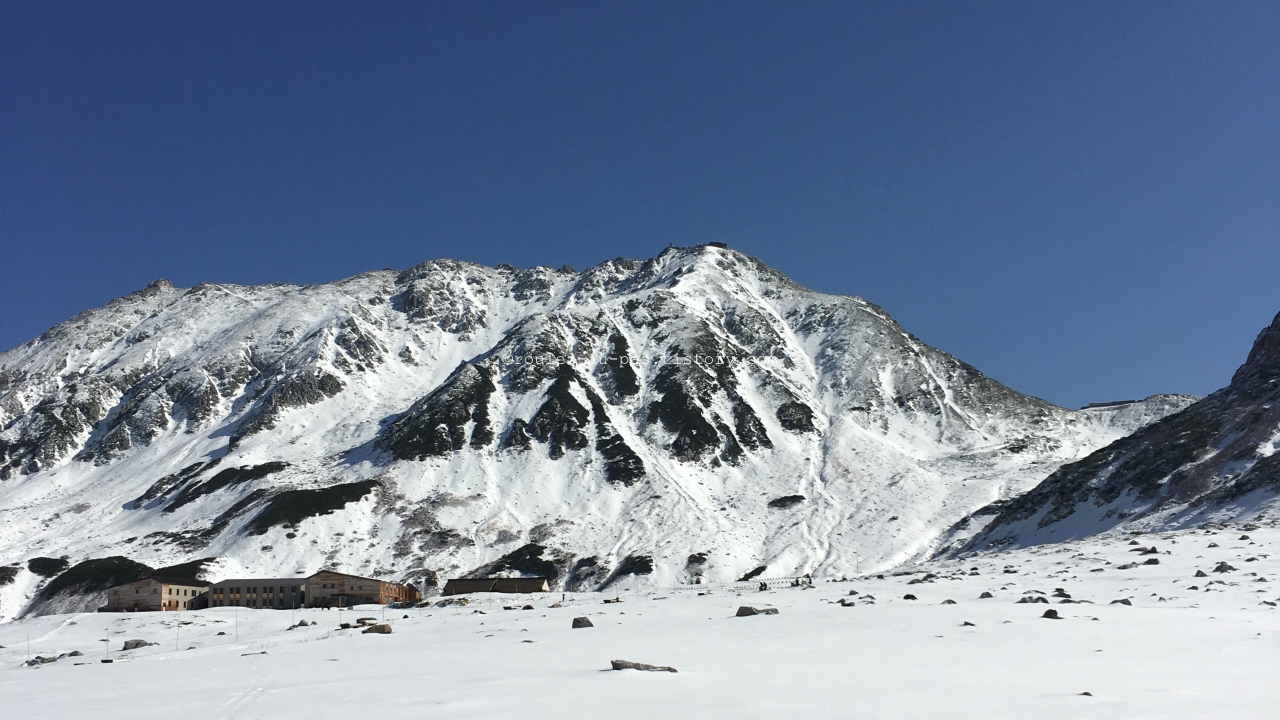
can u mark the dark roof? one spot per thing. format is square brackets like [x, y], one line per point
[189, 582]
[462, 586]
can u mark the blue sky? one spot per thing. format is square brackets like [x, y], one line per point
[1082, 199]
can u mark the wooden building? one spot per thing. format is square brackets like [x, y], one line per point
[499, 585]
[334, 589]
[155, 594]
[261, 593]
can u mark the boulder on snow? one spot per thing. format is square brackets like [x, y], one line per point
[908, 596]
[1152, 561]
[1051, 614]
[1033, 599]
[1121, 601]
[748, 611]
[1223, 567]
[985, 595]
[379, 629]
[948, 602]
[582, 622]
[628, 665]
[1201, 573]
[135, 644]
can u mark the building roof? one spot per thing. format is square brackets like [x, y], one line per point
[460, 586]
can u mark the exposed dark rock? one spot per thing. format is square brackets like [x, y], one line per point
[293, 506]
[796, 417]
[628, 665]
[697, 559]
[223, 479]
[1121, 601]
[135, 644]
[162, 487]
[1224, 567]
[1185, 458]
[518, 436]
[307, 386]
[1032, 599]
[753, 574]
[561, 419]
[587, 573]
[581, 622]
[1051, 614]
[621, 463]
[748, 611]
[680, 414]
[630, 565]
[618, 371]
[8, 573]
[909, 596]
[786, 501]
[47, 567]
[531, 560]
[985, 595]
[435, 426]
[83, 586]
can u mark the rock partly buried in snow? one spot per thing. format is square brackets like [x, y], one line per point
[1032, 599]
[1201, 573]
[379, 629]
[135, 644]
[908, 596]
[1051, 614]
[985, 595]
[748, 611]
[1223, 567]
[628, 665]
[1121, 601]
[582, 622]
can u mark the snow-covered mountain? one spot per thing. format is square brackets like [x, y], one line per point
[696, 415]
[1217, 459]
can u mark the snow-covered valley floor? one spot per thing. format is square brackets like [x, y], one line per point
[1187, 647]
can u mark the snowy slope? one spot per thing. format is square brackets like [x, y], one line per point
[697, 415]
[1216, 459]
[1185, 647]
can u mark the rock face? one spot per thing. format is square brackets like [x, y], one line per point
[1219, 457]
[445, 418]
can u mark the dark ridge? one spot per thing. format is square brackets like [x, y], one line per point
[796, 417]
[527, 560]
[164, 485]
[586, 574]
[8, 573]
[293, 506]
[754, 573]
[786, 501]
[630, 565]
[193, 570]
[618, 368]
[518, 436]
[435, 426]
[621, 463]
[731, 452]
[226, 478]
[297, 390]
[749, 429]
[93, 576]
[220, 523]
[47, 567]
[561, 418]
[358, 344]
[680, 414]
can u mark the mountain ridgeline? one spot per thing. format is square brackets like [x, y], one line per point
[600, 427]
[1219, 459]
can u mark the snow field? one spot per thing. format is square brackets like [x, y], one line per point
[1211, 652]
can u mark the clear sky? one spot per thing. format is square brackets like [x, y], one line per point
[1082, 199]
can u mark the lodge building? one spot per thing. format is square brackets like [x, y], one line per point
[156, 594]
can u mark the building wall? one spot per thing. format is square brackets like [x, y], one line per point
[259, 593]
[333, 589]
[153, 595]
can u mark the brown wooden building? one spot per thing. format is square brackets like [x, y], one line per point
[334, 589]
[498, 585]
[155, 594]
